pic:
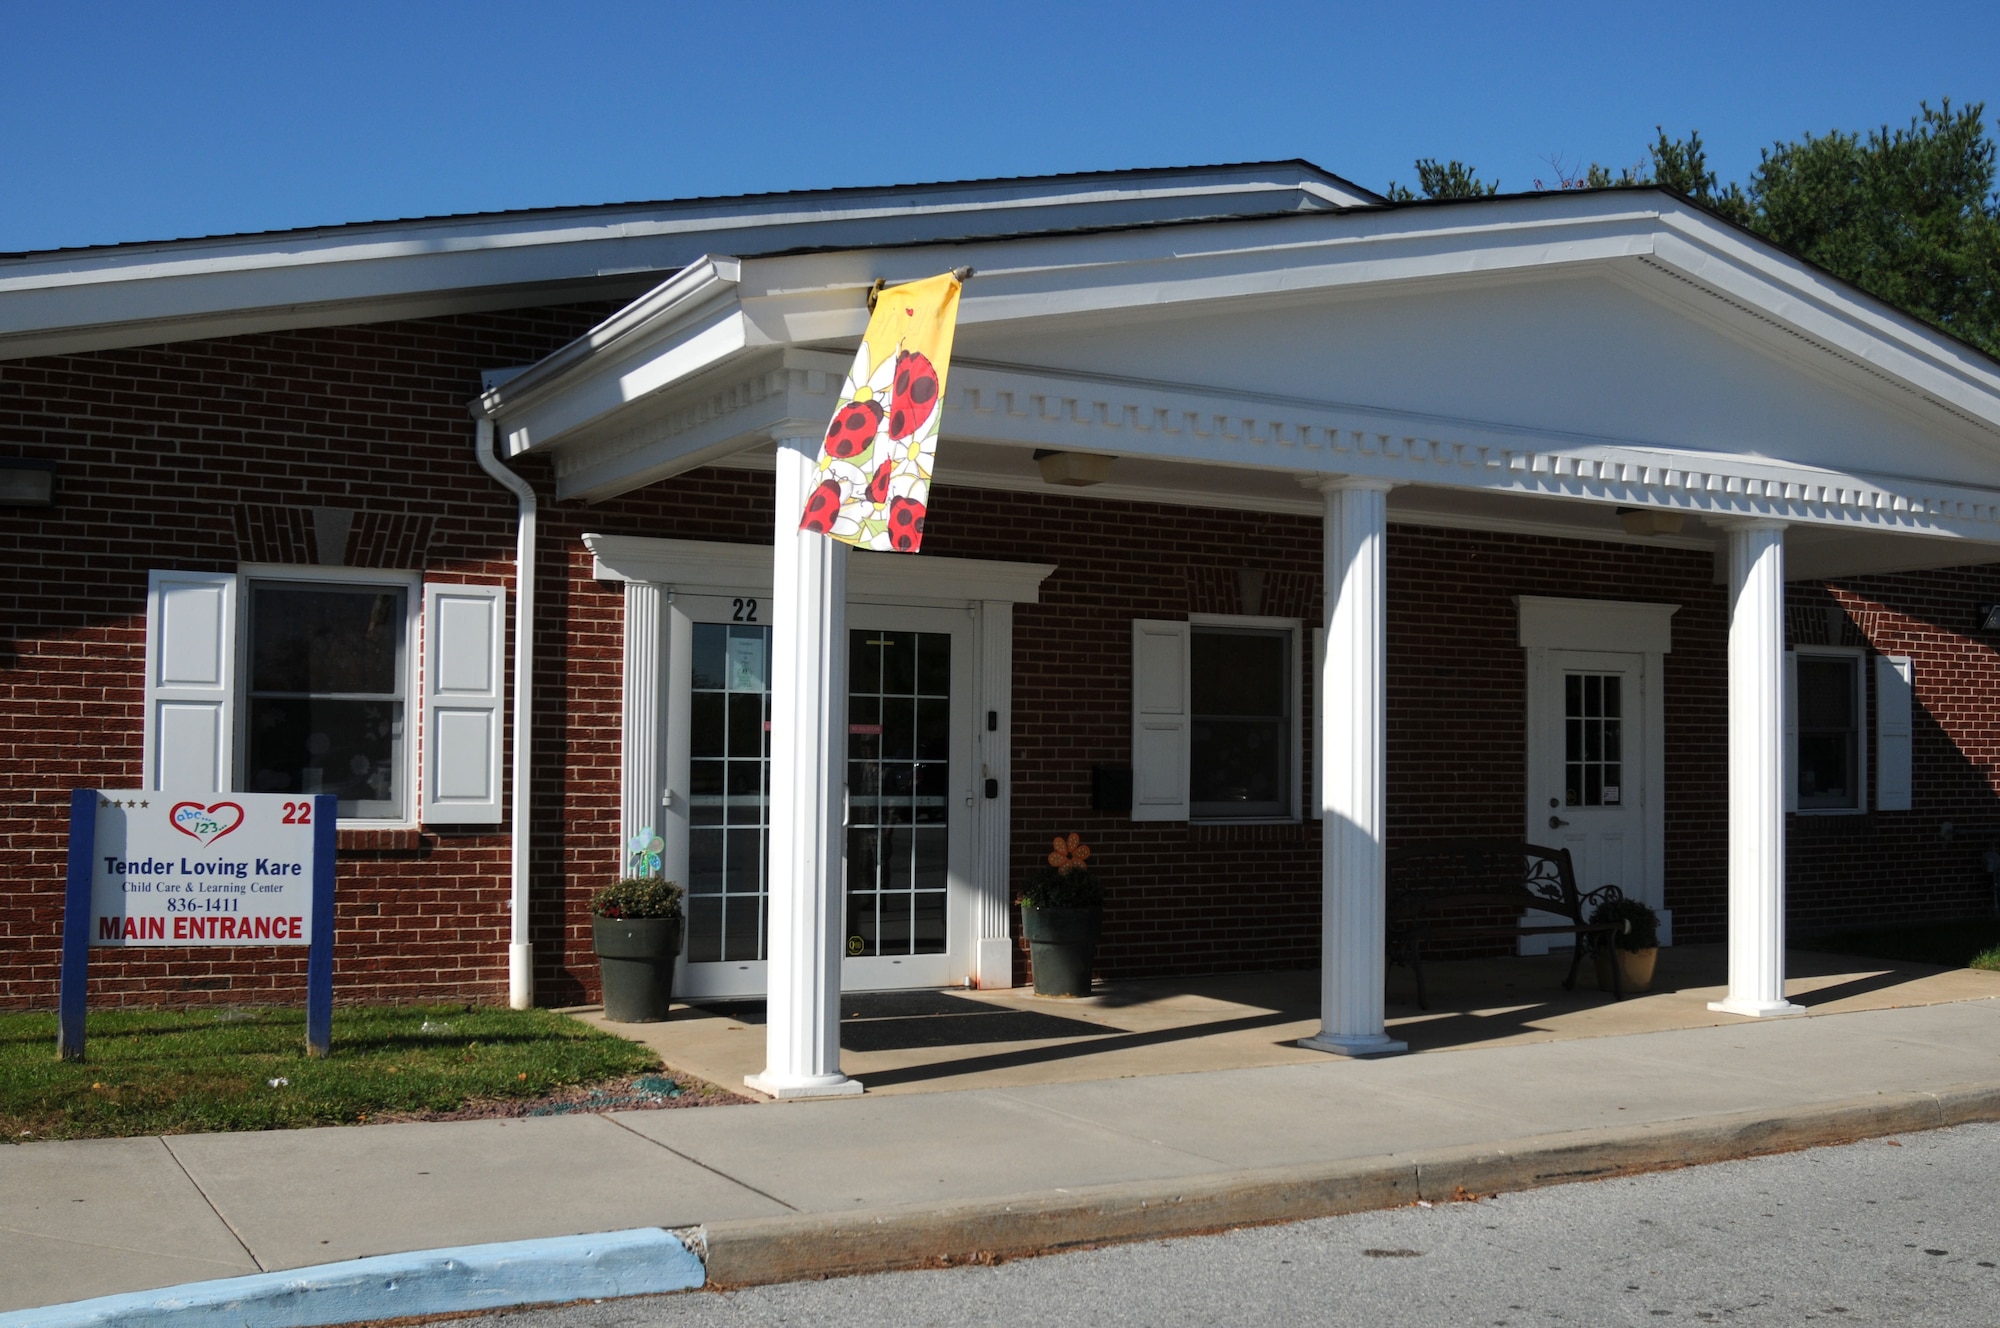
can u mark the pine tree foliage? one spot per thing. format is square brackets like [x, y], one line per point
[1450, 179]
[1909, 215]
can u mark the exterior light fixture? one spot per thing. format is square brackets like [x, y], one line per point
[26, 482]
[1650, 521]
[1073, 468]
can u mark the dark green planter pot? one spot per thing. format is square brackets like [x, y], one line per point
[1063, 945]
[636, 956]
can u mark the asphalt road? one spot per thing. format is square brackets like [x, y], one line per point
[1899, 1232]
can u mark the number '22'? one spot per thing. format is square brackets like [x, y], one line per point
[746, 611]
[297, 813]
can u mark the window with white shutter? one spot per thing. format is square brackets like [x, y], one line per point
[190, 681]
[278, 679]
[1216, 728]
[1893, 702]
[1159, 720]
[1827, 747]
[465, 631]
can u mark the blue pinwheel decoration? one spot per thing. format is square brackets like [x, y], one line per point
[644, 852]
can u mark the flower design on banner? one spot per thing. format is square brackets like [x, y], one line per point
[872, 488]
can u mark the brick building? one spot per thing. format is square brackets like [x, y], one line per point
[1592, 464]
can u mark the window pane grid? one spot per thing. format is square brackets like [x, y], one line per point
[729, 794]
[898, 782]
[1829, 740]
[1240, 728]
[1593, 739]
[324, 697]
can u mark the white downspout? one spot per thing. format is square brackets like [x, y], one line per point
[520, 950]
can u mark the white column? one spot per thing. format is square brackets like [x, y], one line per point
[994, 963]
[640, 728]
[808, 780]
[1352, 752]
[1756, 771]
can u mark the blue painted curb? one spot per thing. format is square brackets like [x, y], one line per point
[640, 1262]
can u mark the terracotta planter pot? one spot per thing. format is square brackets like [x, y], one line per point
[1635, 968]
[1063, 945]
[636, 957]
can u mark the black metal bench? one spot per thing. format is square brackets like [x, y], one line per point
[1456, 890]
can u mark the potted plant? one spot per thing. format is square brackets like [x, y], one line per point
[1635, 946]
[1061, 907]
[635, 926]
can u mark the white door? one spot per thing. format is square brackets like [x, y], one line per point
[909, 864]
[1588, 766]
[907, 918]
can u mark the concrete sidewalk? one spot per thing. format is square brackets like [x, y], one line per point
[881, 1181]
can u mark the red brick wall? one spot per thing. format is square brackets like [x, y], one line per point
[196, 456]
[1928, 862]
[201, 455]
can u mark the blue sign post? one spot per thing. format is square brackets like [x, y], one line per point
[150, 868]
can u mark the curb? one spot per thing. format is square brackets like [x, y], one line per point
[642, 1261]
[755, 1251]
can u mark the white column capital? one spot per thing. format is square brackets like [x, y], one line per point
[1331, 484]
[798, 432]
[1735, 523]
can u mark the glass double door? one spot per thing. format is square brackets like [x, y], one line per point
[907, 833]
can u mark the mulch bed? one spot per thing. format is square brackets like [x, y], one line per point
[646, 1092]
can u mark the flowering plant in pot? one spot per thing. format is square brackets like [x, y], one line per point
[1062, 905]
[635, 927]
[1635, 946]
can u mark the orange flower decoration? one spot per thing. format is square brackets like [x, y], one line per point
[1069, 854]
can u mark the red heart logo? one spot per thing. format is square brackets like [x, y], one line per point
[207, 824]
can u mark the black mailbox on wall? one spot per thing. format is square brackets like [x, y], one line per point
[1111, 788]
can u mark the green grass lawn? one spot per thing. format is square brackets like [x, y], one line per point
[175, 1072]
[1974, 943]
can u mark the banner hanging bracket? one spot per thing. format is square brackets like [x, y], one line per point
[881, 284]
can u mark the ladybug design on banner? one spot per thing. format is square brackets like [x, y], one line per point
[874, 478]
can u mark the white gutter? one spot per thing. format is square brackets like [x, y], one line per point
[520, 950]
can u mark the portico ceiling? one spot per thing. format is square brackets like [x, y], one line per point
[1531, 364]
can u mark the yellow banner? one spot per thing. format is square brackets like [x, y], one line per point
[874, 477]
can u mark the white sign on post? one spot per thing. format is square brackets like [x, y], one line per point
[208, 869]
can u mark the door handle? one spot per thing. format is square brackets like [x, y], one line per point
[1557, 822]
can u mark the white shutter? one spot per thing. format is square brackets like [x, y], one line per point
[1892, 733]
[190, 681]
[1318, 808]
[1790, 772]
[464, 630]
[1159, 720]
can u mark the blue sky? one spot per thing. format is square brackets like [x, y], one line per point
[128, 122]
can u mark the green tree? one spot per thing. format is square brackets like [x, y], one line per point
[1451, 179]
[1909, 215]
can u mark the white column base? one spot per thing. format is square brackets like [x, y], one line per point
[814, 1085]
[1756, 1009]
[521, 976]
[995, 970]
[1357, 1048]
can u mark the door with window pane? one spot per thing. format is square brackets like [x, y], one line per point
[909, 790]
[728, 793]
[905, 902]
[1587, 789]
